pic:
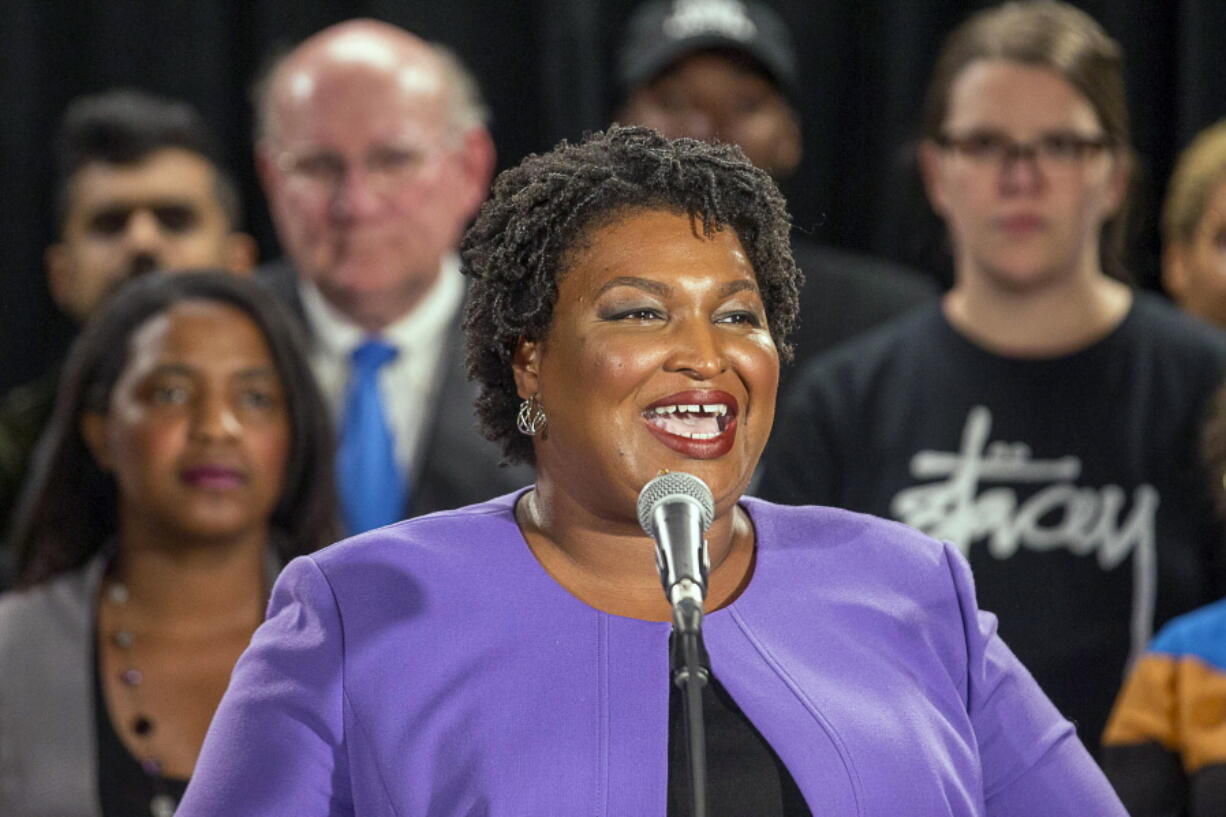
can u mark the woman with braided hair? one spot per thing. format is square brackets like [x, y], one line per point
[630, 305]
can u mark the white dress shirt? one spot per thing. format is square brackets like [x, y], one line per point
[408, 384]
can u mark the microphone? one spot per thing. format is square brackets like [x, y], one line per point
[675, 509]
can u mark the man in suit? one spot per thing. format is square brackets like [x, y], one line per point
[373, 151]
[140, 189]
[726, 70]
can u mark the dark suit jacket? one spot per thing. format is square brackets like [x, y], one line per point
[456, 466]
[24, 413]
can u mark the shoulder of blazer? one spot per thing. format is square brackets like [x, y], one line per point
[46, 707]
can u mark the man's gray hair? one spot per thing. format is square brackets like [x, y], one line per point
[466, 107]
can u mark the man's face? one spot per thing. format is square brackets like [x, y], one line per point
[161, 213]
[369, 185]
[718, 96]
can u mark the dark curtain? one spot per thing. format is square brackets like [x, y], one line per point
[544, 67]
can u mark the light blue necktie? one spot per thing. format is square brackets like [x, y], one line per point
[372, 489]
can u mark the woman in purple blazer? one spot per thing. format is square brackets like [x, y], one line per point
[630, 302]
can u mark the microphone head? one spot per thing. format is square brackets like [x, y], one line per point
[672, 485]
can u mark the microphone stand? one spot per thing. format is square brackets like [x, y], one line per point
[688, 663]
[675, 510]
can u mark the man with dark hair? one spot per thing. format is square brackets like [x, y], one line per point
[140, 189]
[374, 154]
[725, 70]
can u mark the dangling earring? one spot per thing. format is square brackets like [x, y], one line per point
[531, 418]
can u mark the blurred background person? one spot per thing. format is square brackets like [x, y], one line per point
[727, 72]
[1043, 415]
[546, 69]
[631, 300]
[1164, 749]
[187, 460]
[374, 154]
[140, 189]
[1194, 228]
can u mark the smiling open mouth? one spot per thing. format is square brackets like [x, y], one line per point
[692, 421]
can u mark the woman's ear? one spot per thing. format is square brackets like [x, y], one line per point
[1174, 272]
[93, 431]
[526, 366]
[930, 161]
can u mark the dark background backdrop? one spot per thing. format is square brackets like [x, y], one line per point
[544, 67]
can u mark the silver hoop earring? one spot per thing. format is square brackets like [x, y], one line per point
[531, 418]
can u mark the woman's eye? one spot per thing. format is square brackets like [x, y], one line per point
[169, 395]
[258, 399]
[984, 145]
[638, 313]
[740, 316]
[1219, 240]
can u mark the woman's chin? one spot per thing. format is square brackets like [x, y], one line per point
[207, 522]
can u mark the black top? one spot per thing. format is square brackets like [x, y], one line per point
[844, 295]
[124, 790]
[745, 778]
[1071, 483]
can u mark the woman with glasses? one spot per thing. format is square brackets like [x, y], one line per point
[1043, 415]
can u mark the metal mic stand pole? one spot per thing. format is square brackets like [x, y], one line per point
[690, 674]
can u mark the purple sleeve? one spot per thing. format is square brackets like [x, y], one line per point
[1032, 761]
[277, 744]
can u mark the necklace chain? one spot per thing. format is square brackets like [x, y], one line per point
[122, 640]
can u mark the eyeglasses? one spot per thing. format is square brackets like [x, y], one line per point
[1052, 152]
[387, 167]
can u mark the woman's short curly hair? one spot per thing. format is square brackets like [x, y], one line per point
[539, 211]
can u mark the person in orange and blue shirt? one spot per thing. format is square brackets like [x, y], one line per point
[1164, 748]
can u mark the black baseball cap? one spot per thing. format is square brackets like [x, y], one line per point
[662, 31]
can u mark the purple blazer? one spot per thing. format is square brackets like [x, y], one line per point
[434, 668]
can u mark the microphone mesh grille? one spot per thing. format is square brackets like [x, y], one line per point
[672, 484]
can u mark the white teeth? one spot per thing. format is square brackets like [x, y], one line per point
[718, 409]
[697, 436]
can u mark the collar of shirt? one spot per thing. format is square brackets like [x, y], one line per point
[409, 383]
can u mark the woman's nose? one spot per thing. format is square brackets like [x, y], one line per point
[215, 419]
[697, 349]
[1020, 173]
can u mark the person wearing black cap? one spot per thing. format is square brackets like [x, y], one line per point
[723, 70]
